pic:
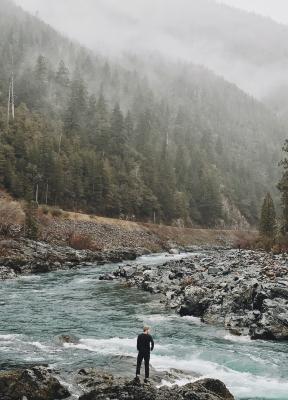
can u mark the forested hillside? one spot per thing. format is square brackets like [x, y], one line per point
[137, 138]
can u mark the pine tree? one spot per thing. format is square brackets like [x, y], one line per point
[62, 75]
[31, 223]
[75, 116]
[41, 71]
[209, 198]
[268, 217]
[283, 187]
[102, 129]
[118, 137]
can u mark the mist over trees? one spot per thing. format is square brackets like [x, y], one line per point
[268, 217]
[138, 138]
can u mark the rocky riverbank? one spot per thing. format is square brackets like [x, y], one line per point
[18, 257]
[40, 383]
[247, 291]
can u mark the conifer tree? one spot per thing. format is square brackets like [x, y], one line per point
[31, 223]
[62, 75]
[283, 187]
[268, 217]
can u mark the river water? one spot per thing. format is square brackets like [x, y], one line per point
[106, 317]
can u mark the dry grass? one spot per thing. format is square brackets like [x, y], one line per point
[197, 236]
[129, 225]
[12, 217]
[84, 231]
[180, 236]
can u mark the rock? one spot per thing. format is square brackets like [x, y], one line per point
[223, 287]
[105, 386]
[37, 383]
[7, 273]
[279, 291]
[195, 302]
[107, 277]
[28, 256]
[174, 251]
[67, 339]
[129, 272]
[215, 271]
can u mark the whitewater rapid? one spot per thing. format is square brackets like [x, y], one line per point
[106, 317]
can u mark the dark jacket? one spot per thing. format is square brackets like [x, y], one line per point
[145, 343]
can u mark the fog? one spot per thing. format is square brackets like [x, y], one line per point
[230, 43]
[275, 9]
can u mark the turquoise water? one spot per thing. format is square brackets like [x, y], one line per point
[107, 317]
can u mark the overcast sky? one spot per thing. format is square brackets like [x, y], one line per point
[276, 9]
[117, 24]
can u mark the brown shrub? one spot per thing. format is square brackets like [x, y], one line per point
[276, 249]
[187, 281]
[245, 240]
[12, 218]
[44, 210]
[80, 241]
[57, 212]
[264, 243]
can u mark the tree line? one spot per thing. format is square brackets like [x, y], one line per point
[273, 229]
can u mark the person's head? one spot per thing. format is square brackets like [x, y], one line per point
[146, 329]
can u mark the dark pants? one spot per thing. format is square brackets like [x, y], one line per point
[140, 357]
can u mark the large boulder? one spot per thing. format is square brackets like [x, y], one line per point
[37, 383]
[195, 301]
[273, 324]
[101, 386]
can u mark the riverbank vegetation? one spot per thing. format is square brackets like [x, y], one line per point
[96, 233]
[273, 229]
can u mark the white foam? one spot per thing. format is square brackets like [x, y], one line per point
[9, 337]
[155, 318]
[43, 347]
[235, 338]
[116, 346]
[154, 259]
[242, 384]
[193, 320]
[30, 277]
[80, 281]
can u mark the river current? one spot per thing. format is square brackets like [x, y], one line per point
[106, 318]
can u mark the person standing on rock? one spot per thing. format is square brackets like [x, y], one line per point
[145, 344]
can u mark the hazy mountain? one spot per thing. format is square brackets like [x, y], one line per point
[247, 49]
[140, 136]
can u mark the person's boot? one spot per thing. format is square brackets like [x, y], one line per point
[137, 379]
[146, 380]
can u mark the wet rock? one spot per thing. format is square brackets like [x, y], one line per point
[7, 273]
[37, 383]
[28, 256]
[105, 386]
[174, 251]
[107, 277]
[195, 302]
[279, 291]
[67, 339]
[215, 270]
[237, 290]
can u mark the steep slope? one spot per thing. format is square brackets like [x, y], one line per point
[144, 139]
[245, 48]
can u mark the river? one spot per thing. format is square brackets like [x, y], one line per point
[106, 317]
